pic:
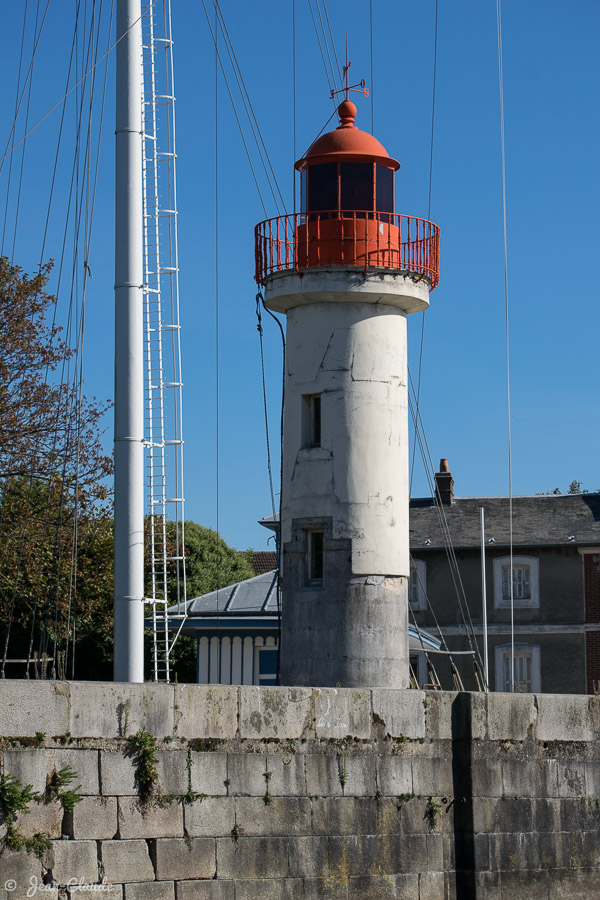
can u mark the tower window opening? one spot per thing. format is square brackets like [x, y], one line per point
[356, 186]
[311, 420]
[314, 567]
[384, 193]
[323, 188]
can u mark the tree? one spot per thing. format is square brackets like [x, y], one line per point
[54, 487]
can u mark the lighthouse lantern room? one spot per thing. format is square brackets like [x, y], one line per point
[346, 270]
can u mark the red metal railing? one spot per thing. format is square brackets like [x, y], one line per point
[366, 240]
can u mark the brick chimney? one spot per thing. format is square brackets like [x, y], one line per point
[444, 484]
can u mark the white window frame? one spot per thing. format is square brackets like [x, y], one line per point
[534, 585]
[420, 567]
[503, 651]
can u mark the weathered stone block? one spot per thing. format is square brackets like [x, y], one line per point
[42, 817]
[546, 815]
[211, 817]
[205, 890]
[564, 717]
[29, 707]
[329, 887]
[176, 858]
[565, 884]
[281, 816]
[107, 709]
[484, 813]
[401, 713]
[438, 714]
[533, 881]
[288, 775]
[246, 774]
[571, 778]
[18, 869]
[307, 856]
[252, 857]
[341, 775]
[341, 713]
[529, 778]
[171, 766]
[117, 774]
[513, 814]
[344, 858]
[414, 816]
[510, 716]
[432, 777]
[94, 818]
[276, 712]
[592, 779]
[85, 763]
[432, 886]
[435, 852]
[27, 766]
[73, 859]
[345, 815]
[206, 710]
[394, 775]
[270, 889]
[126, 861]
[149, 820]
[487, 778]
[209, 773]
[157, 890]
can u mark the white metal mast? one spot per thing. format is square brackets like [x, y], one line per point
[164, 441]
[129, 360]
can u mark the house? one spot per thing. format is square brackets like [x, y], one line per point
[555, 578]
[555, 597]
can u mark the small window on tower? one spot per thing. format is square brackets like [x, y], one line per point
[314, 560]
[311, 420]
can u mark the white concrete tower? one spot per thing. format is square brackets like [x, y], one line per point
[346, 271]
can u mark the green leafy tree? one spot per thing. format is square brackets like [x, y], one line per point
[54, 482]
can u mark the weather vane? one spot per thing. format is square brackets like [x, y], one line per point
[359, 87]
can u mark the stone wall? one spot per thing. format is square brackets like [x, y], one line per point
[268, 793]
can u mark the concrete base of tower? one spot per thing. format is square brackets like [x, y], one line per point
[404, 290]
[356, 636]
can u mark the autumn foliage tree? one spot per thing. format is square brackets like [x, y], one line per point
[55, 528]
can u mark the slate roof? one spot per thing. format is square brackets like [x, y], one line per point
[541, 520]
[254, 597]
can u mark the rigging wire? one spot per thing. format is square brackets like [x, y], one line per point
[225, 79]
[329, 84]
[28, 107]
[506, 321]
[15, 114]
[265, 159]
[339, 68]
[294, 206]
[326, 42]
[27, 77]
[8, 152]
[435, 37]
[451, 555]
[371, 66]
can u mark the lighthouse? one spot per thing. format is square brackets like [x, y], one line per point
[346, 271]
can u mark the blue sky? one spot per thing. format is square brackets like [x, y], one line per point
[551, 78]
